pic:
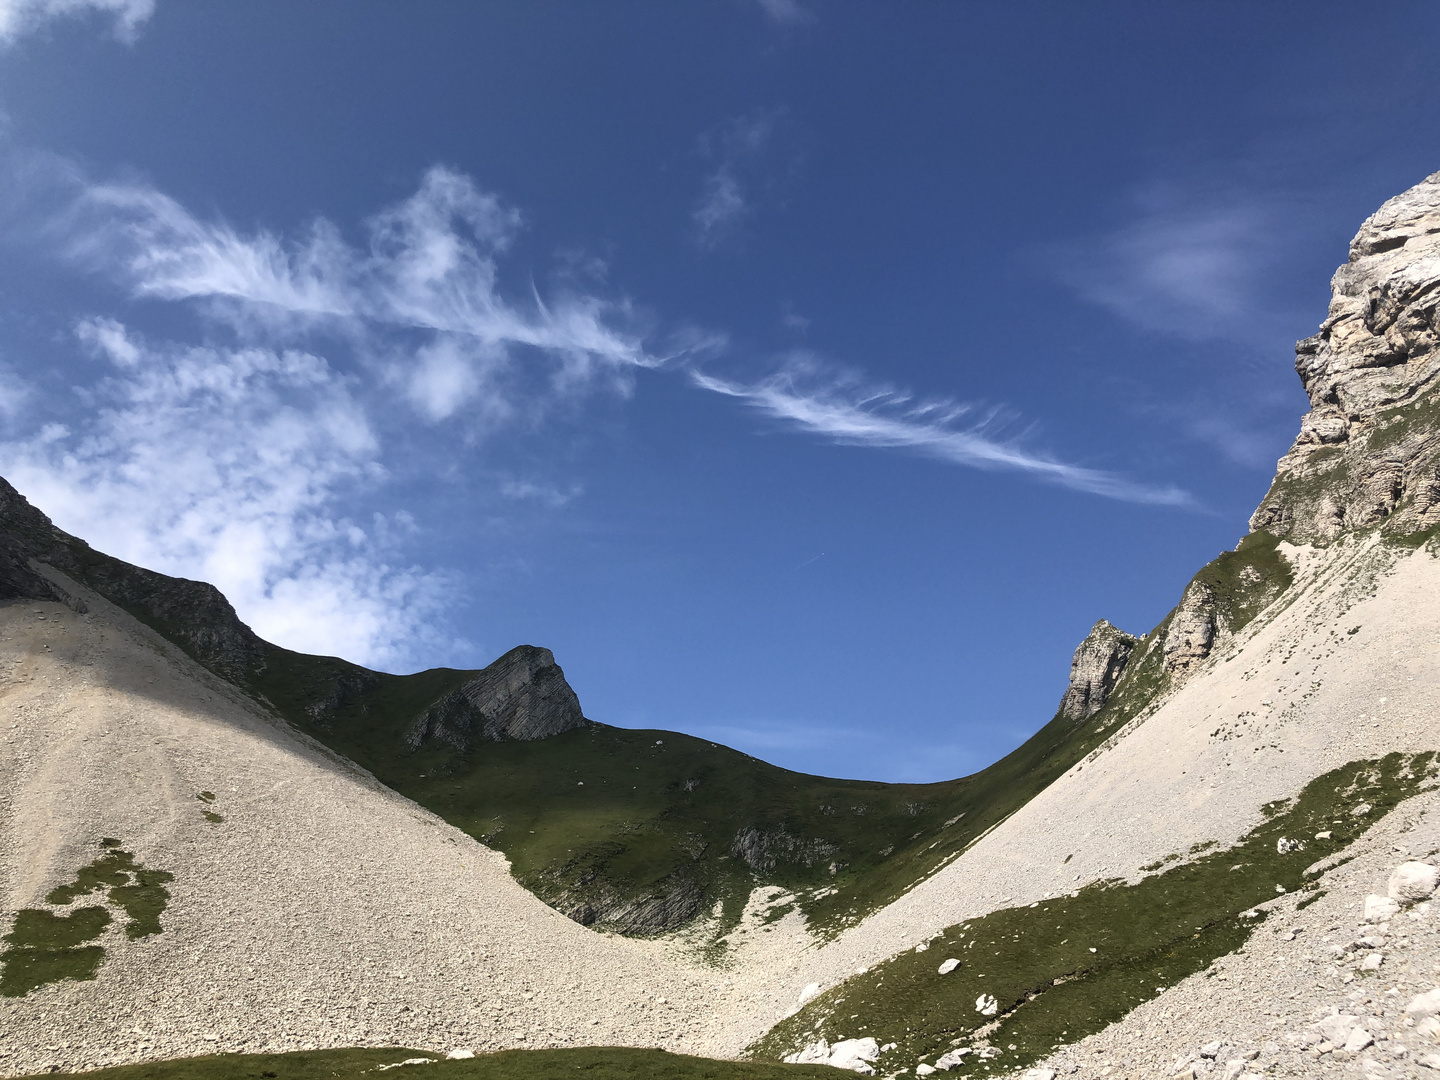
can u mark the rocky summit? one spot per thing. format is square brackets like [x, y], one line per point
[1218, 859]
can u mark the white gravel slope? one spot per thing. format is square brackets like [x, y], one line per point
[1294, 695]
[324, 911]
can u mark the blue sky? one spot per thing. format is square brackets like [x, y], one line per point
[809, 376]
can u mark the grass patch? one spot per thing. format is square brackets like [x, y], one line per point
[592, 1063]
[1067, 967]
[211, 816]
[133, 887]
[46, 946]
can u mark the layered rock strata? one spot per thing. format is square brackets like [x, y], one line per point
[1368, 451]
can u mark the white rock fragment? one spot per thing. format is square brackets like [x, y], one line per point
[986, 1005]
[1336, 1029]
[1430, 1061]
[855, 1055]
[852, 1054]
[458, 1055]
[1429, 1028]
[922, 946]
[1284, 846]
[1426, 1004]
[1412, 882]
[1038, 1074]
[1212, 1049]
[1358, 1040]
[1325, 835]
[949, 966]
[924, 1070]
[951, 1058]
[1372, 962]
[407, 1061]
[809, 991]
[1380, 908]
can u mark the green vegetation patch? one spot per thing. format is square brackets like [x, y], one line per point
[1247, 580]
[139, 891]
[1065, 968]
[45, 946]
[591, 1062]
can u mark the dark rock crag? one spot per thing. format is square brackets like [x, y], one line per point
[523, 695]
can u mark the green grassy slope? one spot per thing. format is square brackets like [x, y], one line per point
[592, 1063]
[638, 831]
[1064, 968]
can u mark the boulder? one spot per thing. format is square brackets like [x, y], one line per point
[986, 1005]
[855, 1055]
[951, 1058]
[949, 966]
[1336, 1029]
[1426, 1004]
[1412, 882]
[1379, 908]
[924, 1070]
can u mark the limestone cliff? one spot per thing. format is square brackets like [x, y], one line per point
[1096, 667]
[1368, 451]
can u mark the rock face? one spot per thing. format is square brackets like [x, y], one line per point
[1095, 669]
[1192, 630]
[1368, 451]
[523, 695]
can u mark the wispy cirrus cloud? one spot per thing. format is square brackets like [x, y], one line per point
[243, 463]
[786, 12]
[429, 268]
[21, 17]
[737, 149]
[1197, 264]
[845, 410]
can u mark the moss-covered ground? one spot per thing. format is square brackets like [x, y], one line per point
[592, 1063]
[1066, 967]
[45, 946]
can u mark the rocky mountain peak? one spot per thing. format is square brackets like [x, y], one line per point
[1095, 669]
[1368, 451]
[523, 695]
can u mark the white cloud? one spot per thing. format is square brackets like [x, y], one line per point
[786, 12]
[545, 494]
[20, 17]
[726, 200]
[227, 465]
[428, 269]
[1187, 263]
[849, 412]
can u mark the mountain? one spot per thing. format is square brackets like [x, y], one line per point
[208, 842]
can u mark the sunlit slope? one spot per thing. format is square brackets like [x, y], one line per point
[247, 889]
[634, 831]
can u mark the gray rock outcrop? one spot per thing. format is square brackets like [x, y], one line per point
[1192, 630]
[1368, 451]
[523, 695]
[1095, 669]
